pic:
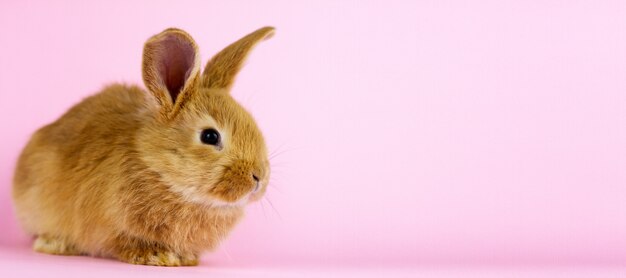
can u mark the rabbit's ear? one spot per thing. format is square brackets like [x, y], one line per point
[171, 68]
[221, 70]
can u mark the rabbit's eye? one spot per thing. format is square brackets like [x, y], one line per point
[210, 136]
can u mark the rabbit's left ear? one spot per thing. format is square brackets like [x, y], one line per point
[171, 68]
[221, 70]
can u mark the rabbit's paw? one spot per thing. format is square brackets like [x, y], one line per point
[51, 245]
[157, 258]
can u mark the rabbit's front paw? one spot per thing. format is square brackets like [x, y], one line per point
[158, 258]
[140, 252]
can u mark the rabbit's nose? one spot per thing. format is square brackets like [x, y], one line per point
[256, 179]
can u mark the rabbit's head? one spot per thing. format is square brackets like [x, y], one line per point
[202, 143]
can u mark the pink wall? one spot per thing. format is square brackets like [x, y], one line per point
[409, 131]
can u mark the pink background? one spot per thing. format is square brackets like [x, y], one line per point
[409, 133]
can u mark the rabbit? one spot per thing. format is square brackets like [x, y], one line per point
[151, 177]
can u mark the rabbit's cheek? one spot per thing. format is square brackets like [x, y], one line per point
[232, 190]
[236, 185]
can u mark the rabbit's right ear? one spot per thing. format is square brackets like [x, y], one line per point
[171, 68]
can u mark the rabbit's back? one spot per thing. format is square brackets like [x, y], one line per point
[62, 177]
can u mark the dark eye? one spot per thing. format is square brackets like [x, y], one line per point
[210, 136]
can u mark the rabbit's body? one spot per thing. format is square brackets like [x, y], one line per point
[90, 198]
[121, 174]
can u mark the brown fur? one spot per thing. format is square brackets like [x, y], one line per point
[123, 174]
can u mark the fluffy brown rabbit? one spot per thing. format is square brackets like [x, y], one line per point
[152, 177]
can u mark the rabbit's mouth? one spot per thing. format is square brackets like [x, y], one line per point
[232, 189]
[194, 194]
[258, 192]
[227, 194]
[216, 203]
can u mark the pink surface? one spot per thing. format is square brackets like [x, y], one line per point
[408, 134]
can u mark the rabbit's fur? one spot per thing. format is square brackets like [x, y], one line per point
[124, 173]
